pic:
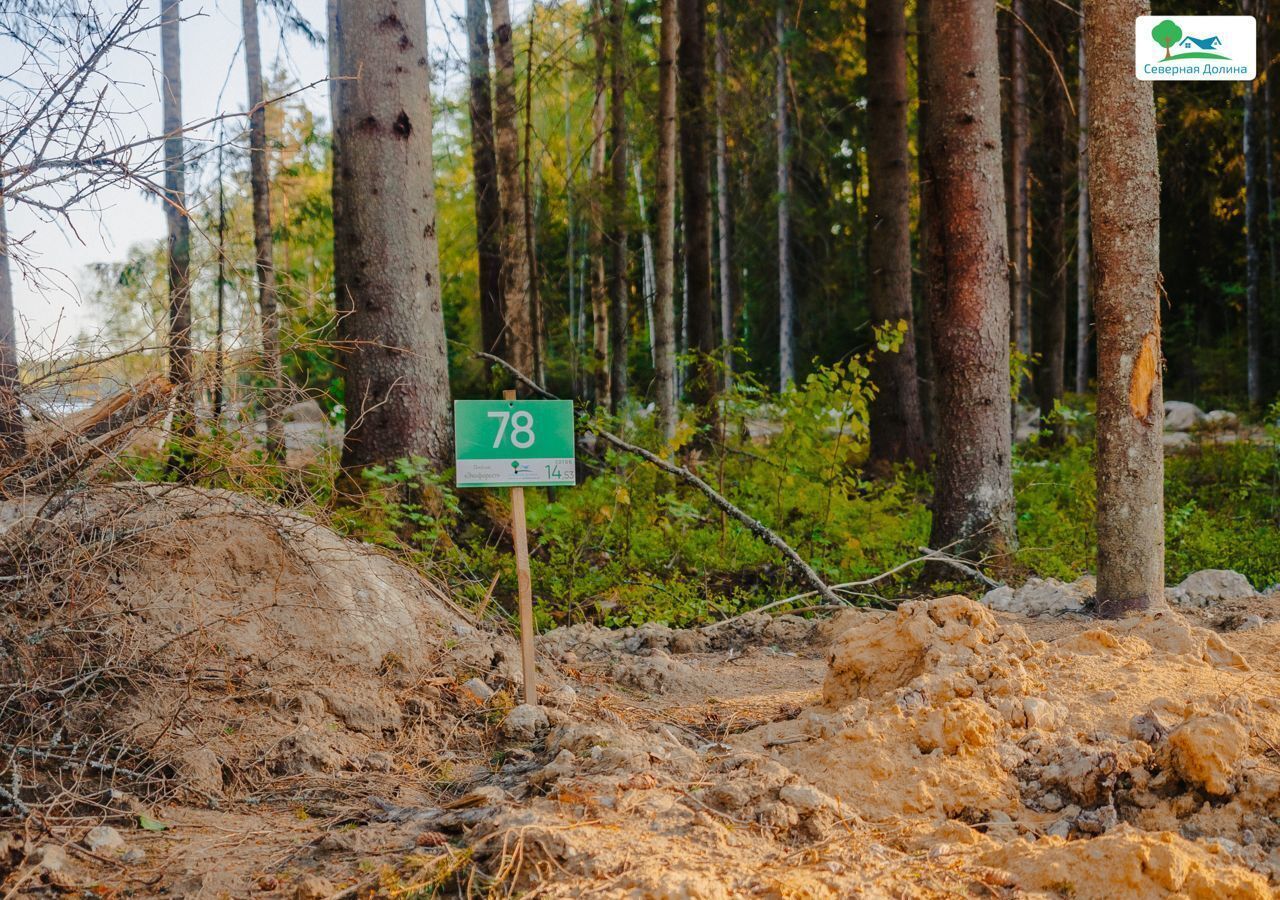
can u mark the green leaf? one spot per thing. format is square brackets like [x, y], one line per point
[146, 823]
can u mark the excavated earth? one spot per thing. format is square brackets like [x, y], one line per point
[321, 722]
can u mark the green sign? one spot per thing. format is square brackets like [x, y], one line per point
[507, 443]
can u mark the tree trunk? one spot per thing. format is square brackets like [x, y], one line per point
[179, 228]
[897, 434]
[602, 388]
[929, 279]
[260, 185]
[219, 348]
[1124, 186]
[619, 314]
[691, 98]
[1051, 376]
[13, 444]
[724, 203]
[1082, 225]
[973, 509]
[386, 260]
[530, 216]
[664, 307]
[1267, 154]
[786, 290]
[1252, 235]
[1019, 181]
[516, 304]
[485, 169]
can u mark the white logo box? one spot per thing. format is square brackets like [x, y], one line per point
[1195, 48]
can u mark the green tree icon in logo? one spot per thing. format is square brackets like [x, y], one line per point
[1166, 34]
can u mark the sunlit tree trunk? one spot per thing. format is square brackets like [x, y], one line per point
[1083, 270]
[485, 170]
[12, 434]
[664, 304]
[260, 186]
[897, 434]
[386, 260]
[619, 313]
[1124, 187]
[516, 304]
[1051, 375]
[973, 508]
[786, 289]
[602, 388]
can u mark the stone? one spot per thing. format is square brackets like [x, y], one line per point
[1040, 713]
[478, 691]
[1209, 586]
[1176, 440]
[804, 797]
[1221, 420]
[525, 722]
[563, 697]
[1181, 416]
[134, 856]
[53, 858]
[1061, 828]
[103, 839]
[307, 411]
[1042, 596]
[313, 887]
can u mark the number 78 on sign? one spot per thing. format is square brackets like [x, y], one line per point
[513, 443]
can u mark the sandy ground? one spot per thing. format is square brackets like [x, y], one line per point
[316, 721]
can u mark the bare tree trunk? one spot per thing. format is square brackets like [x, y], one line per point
[724, 203]
[219, 361]
[260, 185]
[1124, 186]
[516, 302]
[1051, 376]
[973, 507]
[1252, 233]
[1019, 180]
[691, 97]
[179, 228]
[386, 260]
[13, 444]
[600, 370]
[786, 290]
[530, 216]
[485, 169]
[1082, 225]
[647, 274]
[619, 314]
[1267, 153]
[664, 307]
[929, 279]
[897, 433]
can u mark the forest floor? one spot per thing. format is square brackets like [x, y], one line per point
[265, 709]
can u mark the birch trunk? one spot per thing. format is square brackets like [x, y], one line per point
[664, 305]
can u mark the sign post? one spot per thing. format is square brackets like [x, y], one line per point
[516, 443]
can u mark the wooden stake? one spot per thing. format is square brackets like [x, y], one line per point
[524, 581]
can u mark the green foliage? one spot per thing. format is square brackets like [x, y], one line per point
[1166, 33]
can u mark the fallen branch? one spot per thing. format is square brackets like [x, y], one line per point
[756, 527]
[956, 563]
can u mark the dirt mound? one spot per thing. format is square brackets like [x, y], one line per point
[217, 642]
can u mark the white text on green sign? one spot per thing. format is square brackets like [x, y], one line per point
[507, 443]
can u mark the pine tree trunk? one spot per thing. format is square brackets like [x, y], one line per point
[485, 169]
[724, 203]
[1267, 153]
[786, 290]
[619, 313]
[602, 388]
[516, 303]
[973, 509]
[665, 276]
[1252, 236]
[13, 442]
[529, 216]
[1019, 181]
[1051, 375]
[897, 434]
[179, 233]
[691, 97]
[1124, 187]
[260, 185]
[929, 279]
[219, 336]
[1083, 269]
[386, 260]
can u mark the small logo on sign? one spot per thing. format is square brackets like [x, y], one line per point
[1195, 48]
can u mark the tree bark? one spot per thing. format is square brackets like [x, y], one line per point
[1124, 186]
[386, 260]
[1019, 181]
[1083, 270]
[1252, 235]
[786, 289]
[724, 203]
[602, 387]
[929, 279]
[665, 275]
[260, 185]
[1051, 375]
[973, 509]
[529, 216]
[485, 169]
[516, 304]
[1267, 153]
[179, 233]
[13, 444]
[619, 313]
[897, 433]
